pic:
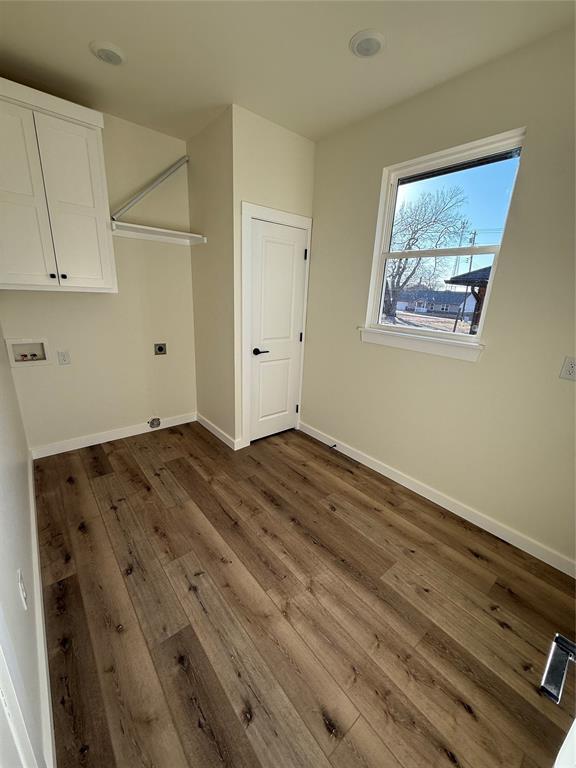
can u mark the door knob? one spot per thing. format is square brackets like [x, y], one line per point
[257, 351]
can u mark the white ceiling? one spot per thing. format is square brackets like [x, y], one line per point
[287, 61]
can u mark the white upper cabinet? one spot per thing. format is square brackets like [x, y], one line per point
[77, 201]
[55, 231]
[26, 249]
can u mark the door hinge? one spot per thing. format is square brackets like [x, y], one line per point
[297, 408]
[305, 254]
[300, 335]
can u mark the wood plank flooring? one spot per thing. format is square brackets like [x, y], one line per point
[285, 607]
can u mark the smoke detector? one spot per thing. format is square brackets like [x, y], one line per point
[366, 43]
[108, 52]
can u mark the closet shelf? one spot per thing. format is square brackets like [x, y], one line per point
[124, 229]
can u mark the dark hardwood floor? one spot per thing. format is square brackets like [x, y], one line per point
[284, 606]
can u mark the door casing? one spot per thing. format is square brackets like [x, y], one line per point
[250, 211]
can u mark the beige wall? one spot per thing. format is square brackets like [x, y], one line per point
[238, 157]
[273, 167]
[9, 749]
[114, 379]
[20, 630]
[211, 195]
[498, 434]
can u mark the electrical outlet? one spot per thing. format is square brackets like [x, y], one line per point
[22, 589]
[569, 369]
[160, 348]
[64, 357]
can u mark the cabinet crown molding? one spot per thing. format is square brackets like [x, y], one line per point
[53, 105]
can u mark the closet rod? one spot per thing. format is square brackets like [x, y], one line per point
[153, 184]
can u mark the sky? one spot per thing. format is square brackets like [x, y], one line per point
[488, 189]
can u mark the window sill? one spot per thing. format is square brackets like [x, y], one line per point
[431, 345]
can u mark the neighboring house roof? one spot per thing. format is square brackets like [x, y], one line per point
[477, 277]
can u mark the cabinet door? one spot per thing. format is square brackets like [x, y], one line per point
[74, 177]
[26, 248]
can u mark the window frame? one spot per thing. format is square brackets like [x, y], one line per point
[457, 345]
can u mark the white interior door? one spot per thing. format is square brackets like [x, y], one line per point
[26, 249]
[77, 200]
[278, 289]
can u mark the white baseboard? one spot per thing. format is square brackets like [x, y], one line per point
[34, 742]
[48, 738]
[511, 535]
[74, 443]
[219, 433]
[14, 694]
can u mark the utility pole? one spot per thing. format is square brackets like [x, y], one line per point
[471, 242]
[457, 263]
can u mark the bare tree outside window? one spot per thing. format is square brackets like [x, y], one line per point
[443, 218]
[433, 220]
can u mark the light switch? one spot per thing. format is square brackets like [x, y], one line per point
[64, 357]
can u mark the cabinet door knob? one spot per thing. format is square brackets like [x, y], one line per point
[64, 276]
[53, 275]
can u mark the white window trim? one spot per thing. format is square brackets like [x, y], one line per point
[433, 342]
[432, 345]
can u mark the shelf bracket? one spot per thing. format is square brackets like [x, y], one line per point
[115, 216]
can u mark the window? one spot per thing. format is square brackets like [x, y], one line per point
[441, 223]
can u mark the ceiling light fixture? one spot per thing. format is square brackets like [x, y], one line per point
[108, 52]
[366, 43]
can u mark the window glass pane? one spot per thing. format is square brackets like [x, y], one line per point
[436, 293]
[459, 206]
